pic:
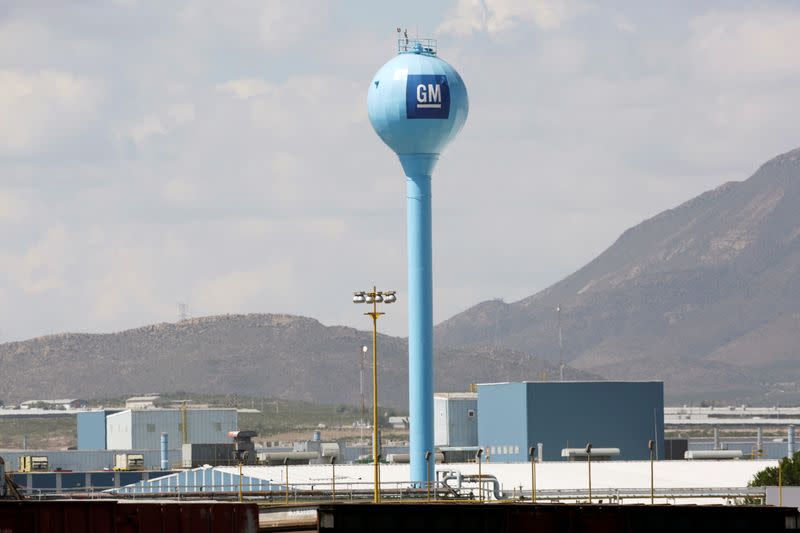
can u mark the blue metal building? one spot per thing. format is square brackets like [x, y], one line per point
[609, 414]
[202, 479]
[92, 429]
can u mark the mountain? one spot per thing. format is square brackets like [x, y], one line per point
[705, 296]
[280, 356]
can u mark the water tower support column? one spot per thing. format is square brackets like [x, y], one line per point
[418, 169]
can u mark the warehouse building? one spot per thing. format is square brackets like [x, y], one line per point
[141, 430]
[563, 415]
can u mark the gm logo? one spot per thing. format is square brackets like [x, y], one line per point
[427, 96]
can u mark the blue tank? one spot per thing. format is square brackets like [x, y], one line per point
[417, 105]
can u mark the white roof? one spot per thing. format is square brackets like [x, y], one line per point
[549, 474]
[64, 400]
[142, 398]
[456, 395]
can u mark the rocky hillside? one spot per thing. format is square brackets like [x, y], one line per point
[705, 296]
[281, 356]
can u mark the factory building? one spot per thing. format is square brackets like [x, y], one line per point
[562, 415]
[455, 419]
[141, 430]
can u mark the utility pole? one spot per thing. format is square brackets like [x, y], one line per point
[364, 350]
[560, 345]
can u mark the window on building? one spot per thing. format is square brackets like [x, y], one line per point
[151, 428]
[471, 413]
[491, 450]
[516, 449]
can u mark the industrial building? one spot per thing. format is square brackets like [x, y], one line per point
[142, 402]
[455, 419]
[141, 430]
[560, 415]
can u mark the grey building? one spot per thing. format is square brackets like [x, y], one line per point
[455, 419]
[609, 414]
[141, 430]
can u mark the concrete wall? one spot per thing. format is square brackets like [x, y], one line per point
[609, 414]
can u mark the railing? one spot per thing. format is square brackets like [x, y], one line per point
[422, 46]
[397, 491]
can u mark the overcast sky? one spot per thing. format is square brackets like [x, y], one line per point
[219, 153]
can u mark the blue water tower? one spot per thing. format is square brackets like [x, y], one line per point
[417, 105]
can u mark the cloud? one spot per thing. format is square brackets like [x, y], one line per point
[38, 108]
[43, 265]
[14, 208]
[150, 127]
[246, 88]
[496, 16]
[220, 154]
[285, 22]
[747, 46]
[239, 290]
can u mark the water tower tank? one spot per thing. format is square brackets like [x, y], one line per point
[417, 105]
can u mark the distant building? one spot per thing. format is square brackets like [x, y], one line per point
[65, 403]
[142, 429]
[398, 422]
[142, 402]
[560, 415]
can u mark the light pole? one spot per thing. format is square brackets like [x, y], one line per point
[428, 472]
[375, 297]
[560, 345]
[364, 351]
[652, 485]
[478, 455]
[531, 453]
[286, 468]
[589, 459]
[333, 477]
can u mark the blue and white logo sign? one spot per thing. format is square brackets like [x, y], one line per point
[427, 96]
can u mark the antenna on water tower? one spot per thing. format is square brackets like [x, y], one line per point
[417, 105]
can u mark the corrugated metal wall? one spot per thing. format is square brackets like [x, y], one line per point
[624, 415]
[441, 435]
[85, 460]
[91, 430]
[142, 429]
[118, 431]
[453, 425]
[502, 420]
[204, 479]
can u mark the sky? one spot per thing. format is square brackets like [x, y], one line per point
[219, 154]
